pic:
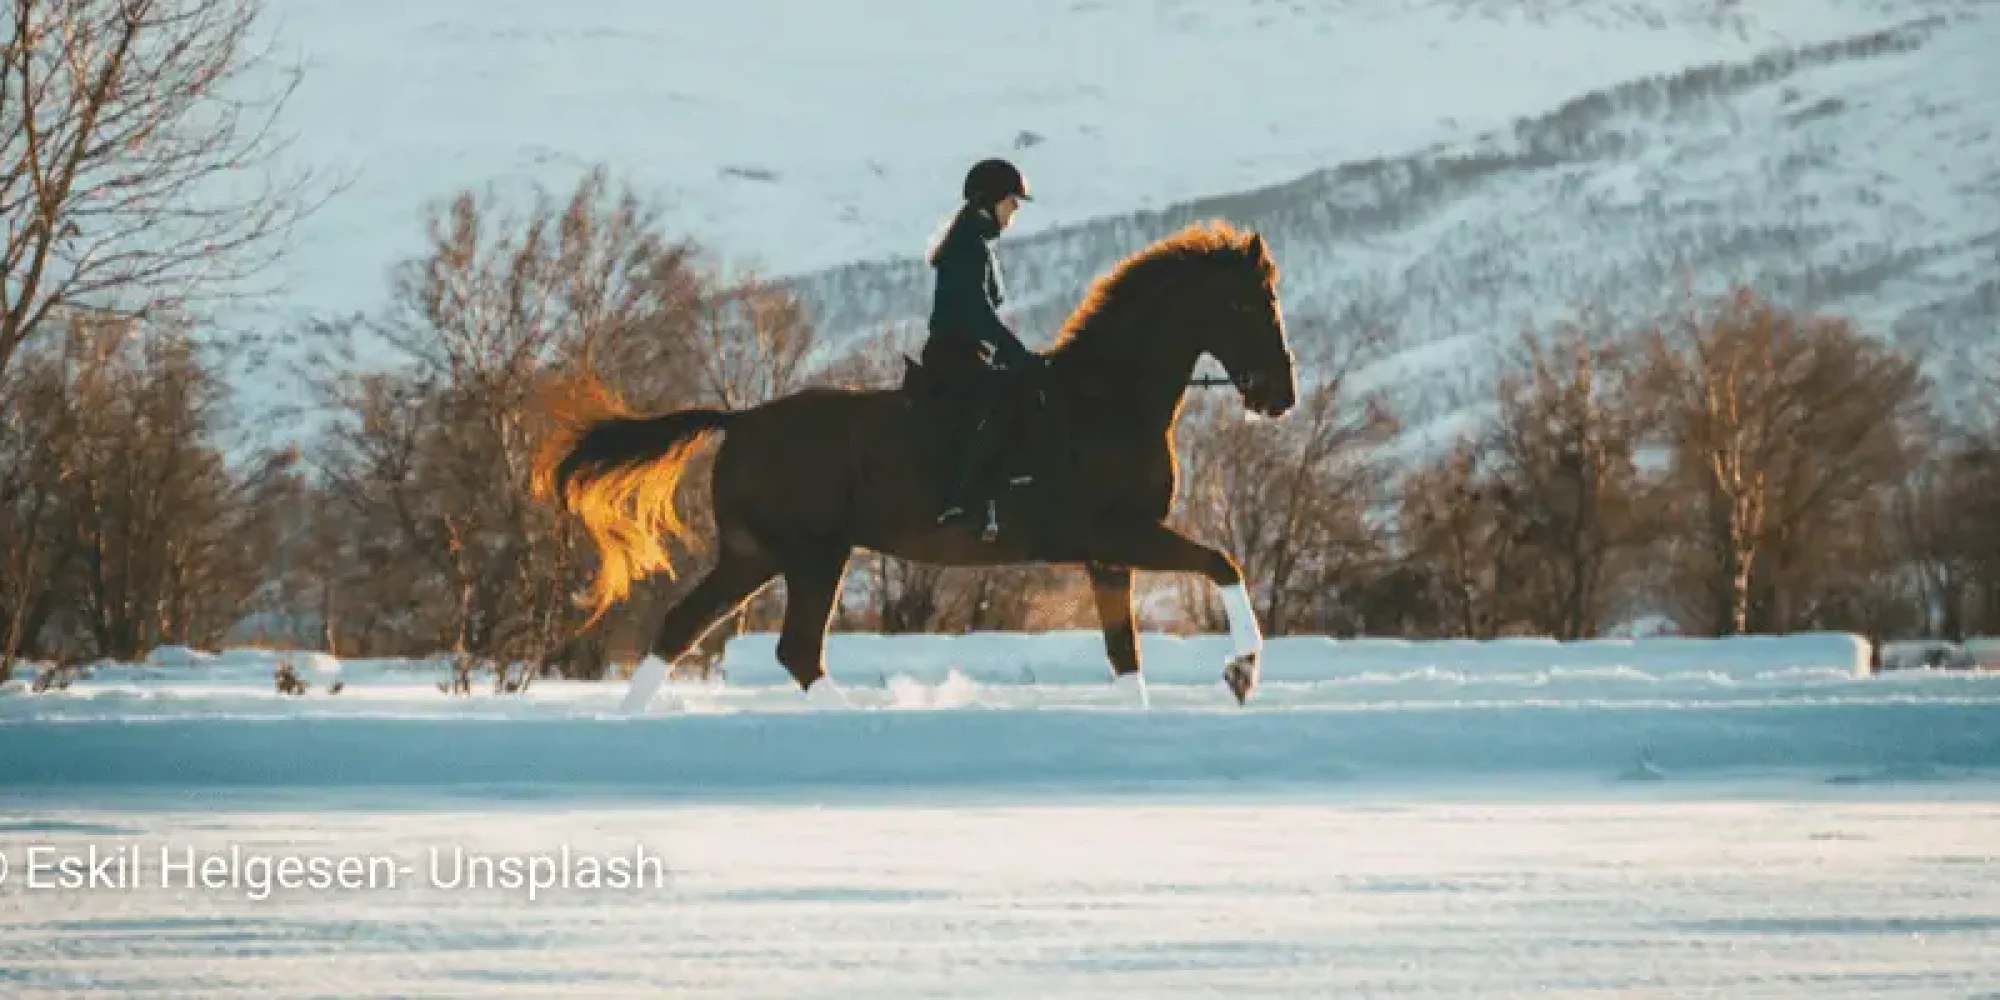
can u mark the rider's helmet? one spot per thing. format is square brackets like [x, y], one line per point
[991, 180]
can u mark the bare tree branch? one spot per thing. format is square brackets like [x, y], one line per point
[137, 159]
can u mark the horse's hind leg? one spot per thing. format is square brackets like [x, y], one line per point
[737, 575]
[1111, 586]
[812, 586]
[1155, 547]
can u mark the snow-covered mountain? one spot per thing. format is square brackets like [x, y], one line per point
[1859, 175]
[1464, 164]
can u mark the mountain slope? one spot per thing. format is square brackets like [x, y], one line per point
[1415, 154]
[1860, 175]
[797, 134]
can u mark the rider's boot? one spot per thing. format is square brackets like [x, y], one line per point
[959, 505]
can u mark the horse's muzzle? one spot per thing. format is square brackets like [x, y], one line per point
[1267, 394]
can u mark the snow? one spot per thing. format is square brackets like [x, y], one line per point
[1620, 892]
[1078, 656]
[988, 817]
[1985, 652]
[1004, 713]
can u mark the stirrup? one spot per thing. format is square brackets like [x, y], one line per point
[957, 513]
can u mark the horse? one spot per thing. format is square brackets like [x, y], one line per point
[799, 482]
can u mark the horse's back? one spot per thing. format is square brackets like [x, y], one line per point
[802, 461]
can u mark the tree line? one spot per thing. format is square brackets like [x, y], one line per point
[1733, 466]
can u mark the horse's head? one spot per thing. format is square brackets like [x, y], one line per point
[1241, 326]
[1206, 290]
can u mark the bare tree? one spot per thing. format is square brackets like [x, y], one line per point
[36, 433]
[434, 452]
[1933, 513]
[1947, 519]
[1854, 576]
[1564, 440]
[138, 433]
[137, 146]
[1461, 546]
[753, 343]
[1981, 511]
[431, 456]
[1290, 498]
[1775, 419]
[136, 528]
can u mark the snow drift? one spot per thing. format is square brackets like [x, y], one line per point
[1001, 714]
[1078, 656]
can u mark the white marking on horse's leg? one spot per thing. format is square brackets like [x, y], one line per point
[1132, 686]
[1243, 630]
[646, 682]
[1240, 673]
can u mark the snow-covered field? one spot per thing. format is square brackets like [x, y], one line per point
[1635, 892]
[1014, 714]
[1758, 817]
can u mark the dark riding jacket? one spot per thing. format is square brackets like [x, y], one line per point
[965, 304]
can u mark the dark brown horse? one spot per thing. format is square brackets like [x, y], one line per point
[803, 480]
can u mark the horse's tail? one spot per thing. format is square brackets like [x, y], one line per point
[618, 471]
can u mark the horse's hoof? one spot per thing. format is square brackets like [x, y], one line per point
[1241, 676]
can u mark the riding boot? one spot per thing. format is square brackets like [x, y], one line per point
[973, 458]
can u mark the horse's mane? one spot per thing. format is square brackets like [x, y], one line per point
[1136, 278]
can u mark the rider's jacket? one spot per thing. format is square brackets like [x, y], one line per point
[965, 303]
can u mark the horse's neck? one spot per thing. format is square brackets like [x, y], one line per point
[1165, 388]
[1153, 381]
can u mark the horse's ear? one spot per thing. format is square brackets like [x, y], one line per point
[1256, 246]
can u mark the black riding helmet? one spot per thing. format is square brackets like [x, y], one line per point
[991, 180]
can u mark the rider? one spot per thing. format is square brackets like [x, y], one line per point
[969, 346]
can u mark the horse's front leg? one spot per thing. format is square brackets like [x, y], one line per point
[1111, 586]
[1154, 547]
